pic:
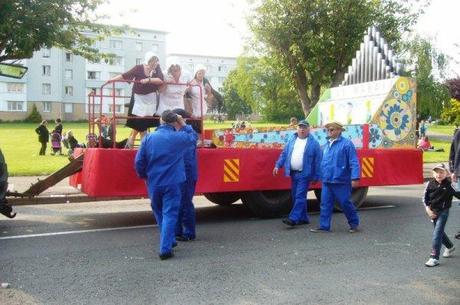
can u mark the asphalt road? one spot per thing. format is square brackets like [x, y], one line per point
[106, 253]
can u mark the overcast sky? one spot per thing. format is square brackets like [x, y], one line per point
[218, 27]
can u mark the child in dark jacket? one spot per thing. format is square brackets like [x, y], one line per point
[438, 200]
[43, 136]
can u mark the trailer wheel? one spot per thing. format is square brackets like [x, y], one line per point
[268, 204]
[358, 195]
[224, 199]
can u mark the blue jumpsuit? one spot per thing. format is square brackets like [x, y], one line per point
[340, 165]
[186, 221]
[160, 160]
[300, 180]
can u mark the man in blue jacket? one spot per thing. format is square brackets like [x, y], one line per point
[339, 173]
[301, 159]
[185, 227]
[160, 160]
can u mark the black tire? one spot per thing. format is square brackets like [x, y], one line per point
[224, 199]
[358, 196]
[267, 204]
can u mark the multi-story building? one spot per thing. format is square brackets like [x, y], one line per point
[58, 82]
[217, 68]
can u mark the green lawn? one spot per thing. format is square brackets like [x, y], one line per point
[435, 156]
[20, 145]
[441, 129]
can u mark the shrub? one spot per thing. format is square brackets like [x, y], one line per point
[451, 112]
[34, 116]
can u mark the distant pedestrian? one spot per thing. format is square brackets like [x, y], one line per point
[422, 128]
[43, 136]
[58, 127]
[340, 172]
[160, 160]
[438, 200]
[301, 159]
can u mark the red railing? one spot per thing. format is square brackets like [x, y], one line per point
[115, 117]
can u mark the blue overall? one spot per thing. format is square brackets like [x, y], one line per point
[160, 160]
[186, 221]
[340, 165]
[300, 180]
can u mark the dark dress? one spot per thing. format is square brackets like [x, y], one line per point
[137, 73]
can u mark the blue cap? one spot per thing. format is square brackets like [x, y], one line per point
[304, 123]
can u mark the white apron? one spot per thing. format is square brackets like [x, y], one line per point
[145, 104]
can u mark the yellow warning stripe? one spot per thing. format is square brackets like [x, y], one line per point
[231, 170]
[367, 167]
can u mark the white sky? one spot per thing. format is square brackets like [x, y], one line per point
[218, 27]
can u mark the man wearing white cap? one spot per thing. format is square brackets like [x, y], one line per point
[339, 173]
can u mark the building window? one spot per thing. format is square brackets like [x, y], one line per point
[116, 44]
[138, 46]
[117, 108]
[16, 106]
[119, 92]
[68, 108]
[46, 89]
[219, 69]
[191, 67]
[117, 61]
[94, 75]
[46, 70]
[46, 52]
[15, 87]
[155, 48]
[68, 74]
[139, 61]
[46, 106]
[93, 91]
[68, 57]
[69, 90]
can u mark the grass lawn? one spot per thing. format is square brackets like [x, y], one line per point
[20, 145]
[441, 129]
[435, 156]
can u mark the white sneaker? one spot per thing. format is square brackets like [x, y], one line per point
[432, 262]
[448, 252]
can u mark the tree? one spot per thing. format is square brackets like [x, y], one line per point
[34, 116]
[259, 84]
[28, 25]
[432, 95]
[314, 41]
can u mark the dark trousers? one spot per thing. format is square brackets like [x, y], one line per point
[42, 149]
[439, 236]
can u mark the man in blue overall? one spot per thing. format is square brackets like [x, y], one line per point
[339, 173]
[160, 160]
[301, 159]
[185, 227]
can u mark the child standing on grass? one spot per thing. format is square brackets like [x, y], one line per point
[43, 136]
[438, 200]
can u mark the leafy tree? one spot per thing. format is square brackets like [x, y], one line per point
[28, 25]
[34, 116]
[314, 41]
[259, 84]
[451, 113]
[234, 104]
[432, 95]
[454, 87]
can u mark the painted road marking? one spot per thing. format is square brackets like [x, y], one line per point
[77, 232]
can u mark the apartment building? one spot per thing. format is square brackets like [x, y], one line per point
[217, 67]
[58, 82]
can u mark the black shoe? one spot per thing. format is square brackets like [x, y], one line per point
[319, 230]
[457, 236]
[288, 222]
[166, 256]
[7, 210]
[184, 238]
[174, 244]
[353, 230]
